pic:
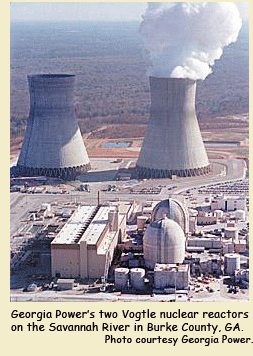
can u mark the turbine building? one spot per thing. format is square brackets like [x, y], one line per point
[173, 144]
[53, 145]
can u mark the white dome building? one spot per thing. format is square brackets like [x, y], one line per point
[174, 210]
[163, 242]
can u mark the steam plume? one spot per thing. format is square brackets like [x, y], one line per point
[184, 39]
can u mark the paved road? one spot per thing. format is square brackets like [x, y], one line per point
[72, 296]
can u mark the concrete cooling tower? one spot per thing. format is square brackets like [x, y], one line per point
[173, 144]
[53, 145]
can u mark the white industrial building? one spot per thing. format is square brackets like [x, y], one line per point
[229, 203]
[204, 262]
[85, 245]
[206, 242]
[171, 275]
[206, 218]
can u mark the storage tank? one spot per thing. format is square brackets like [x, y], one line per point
[231, 233]
[163, 242]
[173, 144]
[137, 278]
[53, 145]
[240, 214]
[121, 278]
[231, 263]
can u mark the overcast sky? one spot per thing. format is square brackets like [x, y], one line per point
[87, 11]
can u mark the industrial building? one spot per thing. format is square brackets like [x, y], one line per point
[229, 203]
[53, 145]
[204, 263]
[172, 276]
[173, 144]
[85, 245]
[206, 218]
[205, 242]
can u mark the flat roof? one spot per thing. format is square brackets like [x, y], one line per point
[237, 197]
[105, 244]
[171, 267]
[73, 228]
[97, 226]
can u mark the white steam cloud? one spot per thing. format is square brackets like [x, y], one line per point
[184, 39]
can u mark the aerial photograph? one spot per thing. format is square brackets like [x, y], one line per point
[129, 152]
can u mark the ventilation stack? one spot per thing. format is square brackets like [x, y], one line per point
[173, 144]
[53, 145]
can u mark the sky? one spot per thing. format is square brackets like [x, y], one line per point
[87, 11]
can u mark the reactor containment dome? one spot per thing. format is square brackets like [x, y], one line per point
[174, 210]
[173, 144]
[163, 242]
[53, 145]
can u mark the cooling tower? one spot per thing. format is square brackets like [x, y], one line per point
[53, 145]
[173, 144]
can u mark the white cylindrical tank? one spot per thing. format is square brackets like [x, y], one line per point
[240, 214]
[121, 277]
[231, 263]
[163, 242]
[141, 221]
[231, 233]
[218, 213]
[137, 278]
